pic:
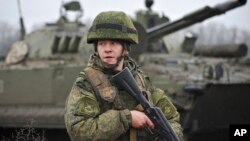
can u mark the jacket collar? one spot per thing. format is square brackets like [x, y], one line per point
[96, 63]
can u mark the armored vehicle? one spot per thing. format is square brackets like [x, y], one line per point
[208, 86]
[39, 71]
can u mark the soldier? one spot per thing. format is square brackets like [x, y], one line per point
[96, 108]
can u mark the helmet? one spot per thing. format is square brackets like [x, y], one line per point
[113, 25]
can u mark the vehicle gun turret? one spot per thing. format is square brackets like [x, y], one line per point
[192, 18]
[150, 35]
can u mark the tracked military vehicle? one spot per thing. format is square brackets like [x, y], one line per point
[207, 85]
[38, 73]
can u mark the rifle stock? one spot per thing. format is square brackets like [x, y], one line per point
[162, 127]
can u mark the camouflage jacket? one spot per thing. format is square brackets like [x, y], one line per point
[89, 118]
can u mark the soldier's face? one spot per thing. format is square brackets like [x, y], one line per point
[110, 51]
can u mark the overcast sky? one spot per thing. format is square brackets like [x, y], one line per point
[37, 12]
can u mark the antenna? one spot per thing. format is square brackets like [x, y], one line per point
[22, 28]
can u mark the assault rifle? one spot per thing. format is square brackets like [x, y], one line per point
[162, 131]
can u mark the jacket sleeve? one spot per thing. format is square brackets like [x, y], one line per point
[85, 122]
[160, 100]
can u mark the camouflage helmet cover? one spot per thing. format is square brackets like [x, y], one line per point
[113, 25]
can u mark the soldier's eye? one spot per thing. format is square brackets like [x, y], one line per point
[114, 43]
[100, 43]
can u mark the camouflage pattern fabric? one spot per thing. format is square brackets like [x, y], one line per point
[85, 121]
[113, 25]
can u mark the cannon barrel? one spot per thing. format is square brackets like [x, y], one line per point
[232, 50]
[194, 17]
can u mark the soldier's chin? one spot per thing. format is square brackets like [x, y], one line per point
[112, 66]
[109, 66]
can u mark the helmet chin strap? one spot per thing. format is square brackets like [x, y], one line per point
[112, 66]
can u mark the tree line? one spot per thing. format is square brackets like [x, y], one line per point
[208, 34]
[217, 34]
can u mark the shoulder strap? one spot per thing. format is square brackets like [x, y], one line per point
[104, 91]
[99, 81]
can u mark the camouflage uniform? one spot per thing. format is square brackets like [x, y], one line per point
[86, 120]
[104, 114]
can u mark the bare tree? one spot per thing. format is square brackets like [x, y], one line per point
[9, 35]
[217, 33]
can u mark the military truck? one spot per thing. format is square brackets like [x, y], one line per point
[35, 81]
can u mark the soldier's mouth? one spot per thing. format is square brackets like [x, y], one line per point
[108, 57]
